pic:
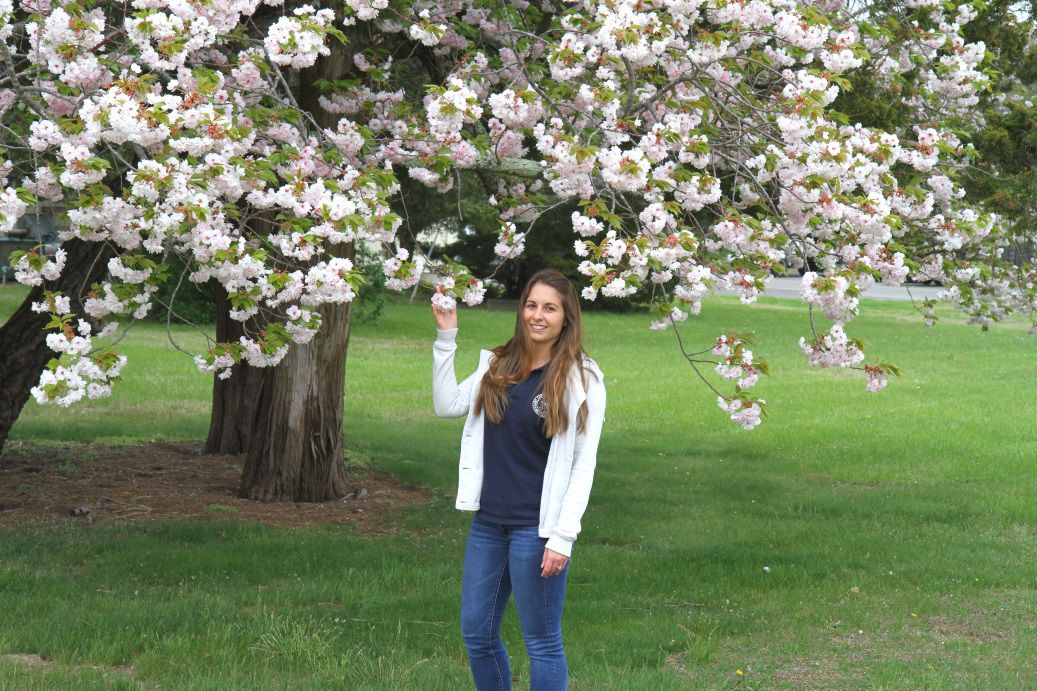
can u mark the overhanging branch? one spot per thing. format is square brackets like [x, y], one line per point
[517, 167]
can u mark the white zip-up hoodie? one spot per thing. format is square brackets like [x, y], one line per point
[570, 460]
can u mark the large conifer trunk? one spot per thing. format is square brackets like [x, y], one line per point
[295, 453]
[23, 348]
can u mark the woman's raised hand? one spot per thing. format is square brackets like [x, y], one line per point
[445, 319]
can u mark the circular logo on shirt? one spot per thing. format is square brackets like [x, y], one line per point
[539, 406]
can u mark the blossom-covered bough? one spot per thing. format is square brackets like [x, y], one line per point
[695, 140]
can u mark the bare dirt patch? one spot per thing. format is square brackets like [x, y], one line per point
[27, 659]
[808, 676]
[35, 661]
[173, 482]
[945, 629]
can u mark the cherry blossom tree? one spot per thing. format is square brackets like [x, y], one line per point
[260, 140]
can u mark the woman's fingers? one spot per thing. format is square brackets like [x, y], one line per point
[552, 564]
[445, 320]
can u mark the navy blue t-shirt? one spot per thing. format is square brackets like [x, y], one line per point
[514, 457]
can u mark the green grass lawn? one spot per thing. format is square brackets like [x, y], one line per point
[853, 540]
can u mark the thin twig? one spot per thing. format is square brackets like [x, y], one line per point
[690, 358]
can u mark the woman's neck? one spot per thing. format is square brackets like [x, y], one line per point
[541, 356]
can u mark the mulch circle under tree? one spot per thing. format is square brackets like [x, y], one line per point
[102, 485]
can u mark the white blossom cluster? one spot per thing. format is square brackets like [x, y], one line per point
[736, 361]
[298, 42]
[834, 349]
[510, 242]
[33, 269]
[400, 274]
[742, 411]
[11, 209]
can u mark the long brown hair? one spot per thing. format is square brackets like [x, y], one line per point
[512, 361]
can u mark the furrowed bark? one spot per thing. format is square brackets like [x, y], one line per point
[296, 452]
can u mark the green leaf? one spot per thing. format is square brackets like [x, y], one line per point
[207, 80]
[337, 34]
[26, 196]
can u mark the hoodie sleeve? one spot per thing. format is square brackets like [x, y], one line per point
[585, 455]
[449, 399]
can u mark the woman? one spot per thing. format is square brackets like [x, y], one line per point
[535, 407]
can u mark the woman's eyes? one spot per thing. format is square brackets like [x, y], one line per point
[532, 306]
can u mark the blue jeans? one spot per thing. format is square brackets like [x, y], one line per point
[499, 560]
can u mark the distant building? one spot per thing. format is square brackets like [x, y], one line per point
[39, 226]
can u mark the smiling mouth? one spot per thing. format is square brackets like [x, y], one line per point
[538, 327]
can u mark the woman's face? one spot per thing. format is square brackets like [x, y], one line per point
[543, 314]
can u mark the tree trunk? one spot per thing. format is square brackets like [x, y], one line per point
[235, 401]
[295, 450]
[23, 349]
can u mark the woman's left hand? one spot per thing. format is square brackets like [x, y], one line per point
[552, 564]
